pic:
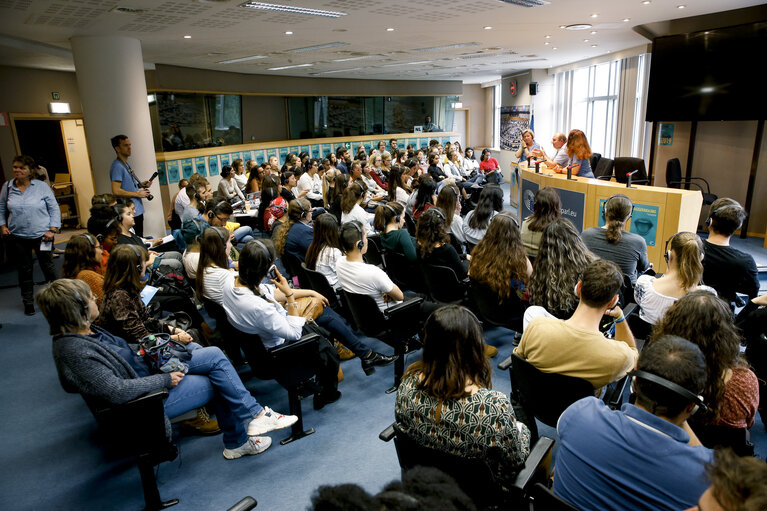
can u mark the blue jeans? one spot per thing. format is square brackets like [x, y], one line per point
[211, 376]
[243, 234]
[336, 325]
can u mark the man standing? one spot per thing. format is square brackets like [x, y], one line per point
[643, 456]
[560, 157]
[125, 183]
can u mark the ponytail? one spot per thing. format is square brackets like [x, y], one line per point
[616, 211]
[688, 248]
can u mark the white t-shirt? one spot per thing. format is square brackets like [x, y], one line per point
[313, 184]
[215, 280]
[359, 214]
[653, 305]
[191, 260]
[254, 315]
[364, 279]
[241, 180]
[326, 264]
[402, 195]
[456, 228]
[182, 201]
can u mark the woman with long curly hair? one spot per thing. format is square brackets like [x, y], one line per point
[434, 243]
[561, 259]
[82, 261]
[499, 260]
[295, 236]
[546, 208]
[732, 392]
[397, 191]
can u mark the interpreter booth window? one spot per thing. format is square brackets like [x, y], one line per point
[190, 121]
[344, 116]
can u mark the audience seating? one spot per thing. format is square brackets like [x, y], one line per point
[491, 309]
[410, 222]
[292, 264]
[137, 428]
[316, 281]
[292, 364]
[474, 475]
[443, 285]
[625, 164]
[717, 437]
[543, 499]
[674, 179]
[374, 254]
[594, 160]
[397, 326]
[225, 331]
[404, 273]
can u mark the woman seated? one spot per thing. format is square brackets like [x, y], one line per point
[351, 207]
[255, 178]
[476, 221]
[104, 225]
[499, 260]
[124, 313]
[561, 259]
[227, 187]
[684, 256]
[82, 261]
[257, 308]
[529, 148]
[273, 205]
[425, 196]
[490, 167]
[105, 369]
[546, 208]
[446, 402]
[325, 249]
[434, 243]
[335, 194]
[389, 221]
[214, 271]
[448, 201]
[295, 235]
[732, 392]
[614, 243]
[579, 152]
[397, 190]
[470, 163]
[170, 261]
[371, 175]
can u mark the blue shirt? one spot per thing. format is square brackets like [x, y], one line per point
[30, 214]
[526, 153]
[627, 459]
[119, 171]
[299, 238]
[122, 347]
[584, 170]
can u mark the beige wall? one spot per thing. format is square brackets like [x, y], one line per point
[473, 98]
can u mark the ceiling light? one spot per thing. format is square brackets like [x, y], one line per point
[578, 26]
[448, 47]
[681, 6]
[390, 29]
[336, 71]
[58, 108]
[547, 43]
[593, 45]
[288, 33]
[288, 67]
[316, 47]
[562, 26]
[626, 19]
[417, 63]
[488, 28]
[548, 37]
[704, 90]
[646, 2]
[187, 36]
[356, 58]
[595, 15]
[292, 9]
[243, 59]
[593, 32]
[585, 40]
[554, 48]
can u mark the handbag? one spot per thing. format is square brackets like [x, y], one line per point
[163, 354]
[309, 307]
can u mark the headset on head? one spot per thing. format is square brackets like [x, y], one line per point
[84, 305]
[139, 255]
[266, 250]
[393, 212]
[91, 239]
[117, 209]
[508, 214]
[359, 243]
[303, 209]
[720, 208]
[224, 237]
[604, 206]
[673, 387]
[439, 213]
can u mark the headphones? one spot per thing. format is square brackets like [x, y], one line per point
[117, 212]
[359, 243]
[84, 309]
[88, 236]
[720, 208]
[439, 213]
[266, 250]
[394, 212]
[139, 255]
[604, 206]
[221, 235]
[673, 387]
[509, 215]
[303, 210]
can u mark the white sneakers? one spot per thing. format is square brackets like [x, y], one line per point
[270, 421]
[254, 445]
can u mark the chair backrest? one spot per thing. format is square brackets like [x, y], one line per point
[179, 239]
[546, 395]
[673, 173]
[717, 437]
[318, 282]
[292, 264]
[604, 168]
[545, 500]
[594, 160]
[410, 222]
[505, 313]
[473, 475]
[625, 164]
[375, 252]
[443, 283]
[404, 273]
[367, 316]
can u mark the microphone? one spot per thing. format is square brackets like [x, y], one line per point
[628, 177]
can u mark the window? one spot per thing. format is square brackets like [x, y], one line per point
[639, 133]
[189, 121]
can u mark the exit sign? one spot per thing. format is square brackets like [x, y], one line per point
[55, 96]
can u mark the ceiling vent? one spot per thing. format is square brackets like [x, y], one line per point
[129, 10]
[526, 3]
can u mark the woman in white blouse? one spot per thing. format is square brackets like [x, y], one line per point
[325, 249]
[351, 208]
[240, 176]
[228, 187]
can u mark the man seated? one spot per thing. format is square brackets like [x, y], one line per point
[643, 456]
[727, 269]
[560, 158]
[576, 347]
[737, 484]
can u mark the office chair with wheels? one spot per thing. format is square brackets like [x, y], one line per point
[674, 179]
[625, 164]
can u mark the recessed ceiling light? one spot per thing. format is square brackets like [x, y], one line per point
[288, 33]
[646, 2]
[547, 43]
[243, 59]
[548, 37]
[390, 29]
[316, 47]
[681, 6]
[447, 47]
[562, 26]
[488, 28]
[187, 36]
[626, 19]
[595, 15]
[288, 67]
[292, 9]
[554, 48]
[578, 26]
[593, 32]
[593, 45]
[585, 40]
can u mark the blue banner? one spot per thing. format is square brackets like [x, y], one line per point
[199, 164]
[173, 175]
[213, 165]
[161, 173]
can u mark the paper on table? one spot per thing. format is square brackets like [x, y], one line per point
[147, 294]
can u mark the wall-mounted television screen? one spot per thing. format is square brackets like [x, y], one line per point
[710, 75]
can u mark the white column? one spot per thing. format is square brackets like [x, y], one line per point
[110, 78]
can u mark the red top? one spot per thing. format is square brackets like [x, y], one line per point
[741, 399]
[489, 164]
[420, 211]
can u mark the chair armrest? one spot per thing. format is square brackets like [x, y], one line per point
[629, 310]
[403, 307]
[285, 348]
[686, 182]
[708, 186]
[614, 397]
[640, 180]
[246, 504]
[387, 434]
[538, 456]
[140, 405]
[505, 363]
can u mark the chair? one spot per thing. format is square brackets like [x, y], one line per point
[397, 326]
[674, 179]
[604, 169]
[474, 475]
[505, 313]
[639, 327]
[717, 437]
[292, 364]
[544, 500]
[316, 281]
[409, 222]
[404, 273]
[443, 285]
[594, 160]
[625, 164]
[292, 264]
[227, 333]
[375, 252]
[121, 423]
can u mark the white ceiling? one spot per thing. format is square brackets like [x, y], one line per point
[33, 32]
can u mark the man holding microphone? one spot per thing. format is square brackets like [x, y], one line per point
[125, 183]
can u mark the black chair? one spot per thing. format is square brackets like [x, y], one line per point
[443, 285]
[474, 474]
[594, 160]
[404, 273]
[674, 179]
[718, 437]
[374, 254]
[625, 164]
[122, 425]
[506, 313]
[397, 326]
[604, 169]
[226, 333]
[410, 222]
[639, 327]
[316, 281]
[543, 499]
[292, 264]
[292, 364]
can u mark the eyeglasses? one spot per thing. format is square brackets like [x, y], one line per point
[223, 220]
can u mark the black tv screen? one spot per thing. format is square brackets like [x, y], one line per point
[710, 75]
